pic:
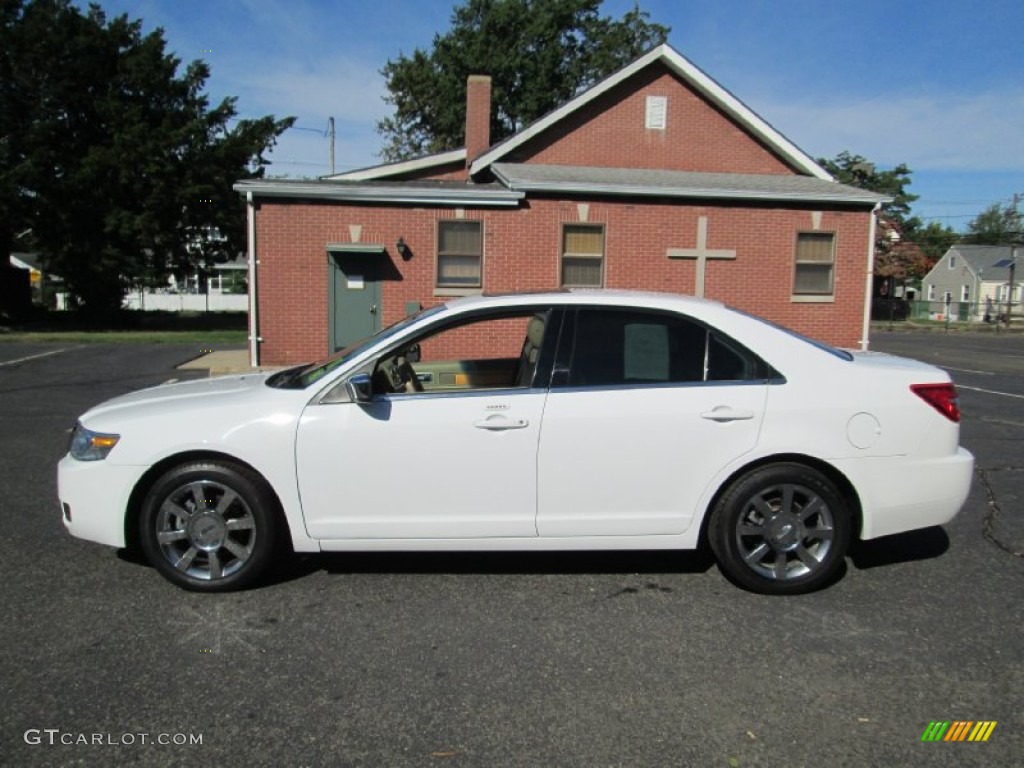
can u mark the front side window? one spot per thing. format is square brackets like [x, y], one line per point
[582, 256]
[460, 250]
[815, 264]
[497, 351]
[630, 347]
[965, 293]
[301, 376]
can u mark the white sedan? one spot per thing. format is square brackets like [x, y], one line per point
[563, 421]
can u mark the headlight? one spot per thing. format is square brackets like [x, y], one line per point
[87, 445]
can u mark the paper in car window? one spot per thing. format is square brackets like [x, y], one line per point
[646, 352]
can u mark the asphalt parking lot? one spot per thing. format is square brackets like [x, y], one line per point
[634, 659]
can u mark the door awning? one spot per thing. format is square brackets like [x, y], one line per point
[375, 248]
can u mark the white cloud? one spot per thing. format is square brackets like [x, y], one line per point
[935, 132]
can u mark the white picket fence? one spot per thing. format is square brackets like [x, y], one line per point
[194, 302]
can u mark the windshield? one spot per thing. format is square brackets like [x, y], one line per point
[301, 376]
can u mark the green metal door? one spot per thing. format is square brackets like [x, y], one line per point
[354, 297]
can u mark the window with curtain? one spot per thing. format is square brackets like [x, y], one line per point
[582, 256]
[815, 264]
[460, 253]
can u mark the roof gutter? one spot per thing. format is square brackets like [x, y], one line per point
[399, 192]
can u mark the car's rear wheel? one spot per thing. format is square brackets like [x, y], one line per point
[209, 526]
[781, 529]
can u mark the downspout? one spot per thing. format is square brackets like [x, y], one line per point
[254, 326]
[869, 282]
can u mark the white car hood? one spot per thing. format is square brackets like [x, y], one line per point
[200, 392]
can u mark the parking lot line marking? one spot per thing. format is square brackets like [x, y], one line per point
[1003, 422]
[33, 357]
[990, 391]
[966, 370]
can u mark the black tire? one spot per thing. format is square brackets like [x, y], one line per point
[209, 526]
[781, 529]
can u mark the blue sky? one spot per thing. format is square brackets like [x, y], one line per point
[935, 84]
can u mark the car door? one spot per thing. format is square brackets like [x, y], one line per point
[645, 409]
[454, 460]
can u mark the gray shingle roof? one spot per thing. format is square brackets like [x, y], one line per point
[529, 177]
[982, 257]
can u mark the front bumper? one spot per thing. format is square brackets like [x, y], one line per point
[95, 494]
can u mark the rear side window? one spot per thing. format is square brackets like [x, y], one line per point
[630, 347]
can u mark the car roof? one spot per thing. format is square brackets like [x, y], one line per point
[589, 296]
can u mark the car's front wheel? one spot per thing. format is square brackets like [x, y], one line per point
[209, 526]
[781, 529]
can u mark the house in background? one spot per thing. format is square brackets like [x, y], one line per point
[655, 178]
[223, 289]
[20, 279]
[29, 262]
[966, 285]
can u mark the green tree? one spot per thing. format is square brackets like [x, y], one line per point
[916, 246]
[934, 240]
[539, 54]
[858, 171]
[111, 156]
[999, 224]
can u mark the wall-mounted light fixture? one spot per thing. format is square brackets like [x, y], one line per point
[403, 249]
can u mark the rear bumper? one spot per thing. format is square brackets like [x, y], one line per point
[96, 495]
[900, 494]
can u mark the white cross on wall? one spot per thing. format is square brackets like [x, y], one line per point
[700, 253]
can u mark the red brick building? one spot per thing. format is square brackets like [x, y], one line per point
[655, 178]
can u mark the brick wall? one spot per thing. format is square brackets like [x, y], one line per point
[610, 132]
[522, 252]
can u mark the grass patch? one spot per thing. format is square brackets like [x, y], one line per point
[209, 340]
[207, 329]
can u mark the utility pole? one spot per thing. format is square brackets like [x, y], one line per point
[330, 130]
[1009, 294]
[1013, 259]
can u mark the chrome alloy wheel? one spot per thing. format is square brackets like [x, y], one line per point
[205, 530]
[785, 532]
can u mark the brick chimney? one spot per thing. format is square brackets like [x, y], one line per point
[478, 117]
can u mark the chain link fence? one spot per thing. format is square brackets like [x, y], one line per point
[986, 312]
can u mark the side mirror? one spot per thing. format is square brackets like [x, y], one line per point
[360, 388]
[413, 354]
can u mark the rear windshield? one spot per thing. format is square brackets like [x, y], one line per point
[842, 354]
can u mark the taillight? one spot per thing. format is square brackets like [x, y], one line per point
[942, 397]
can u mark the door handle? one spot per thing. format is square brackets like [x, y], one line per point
[497, 423]
[725, 413]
